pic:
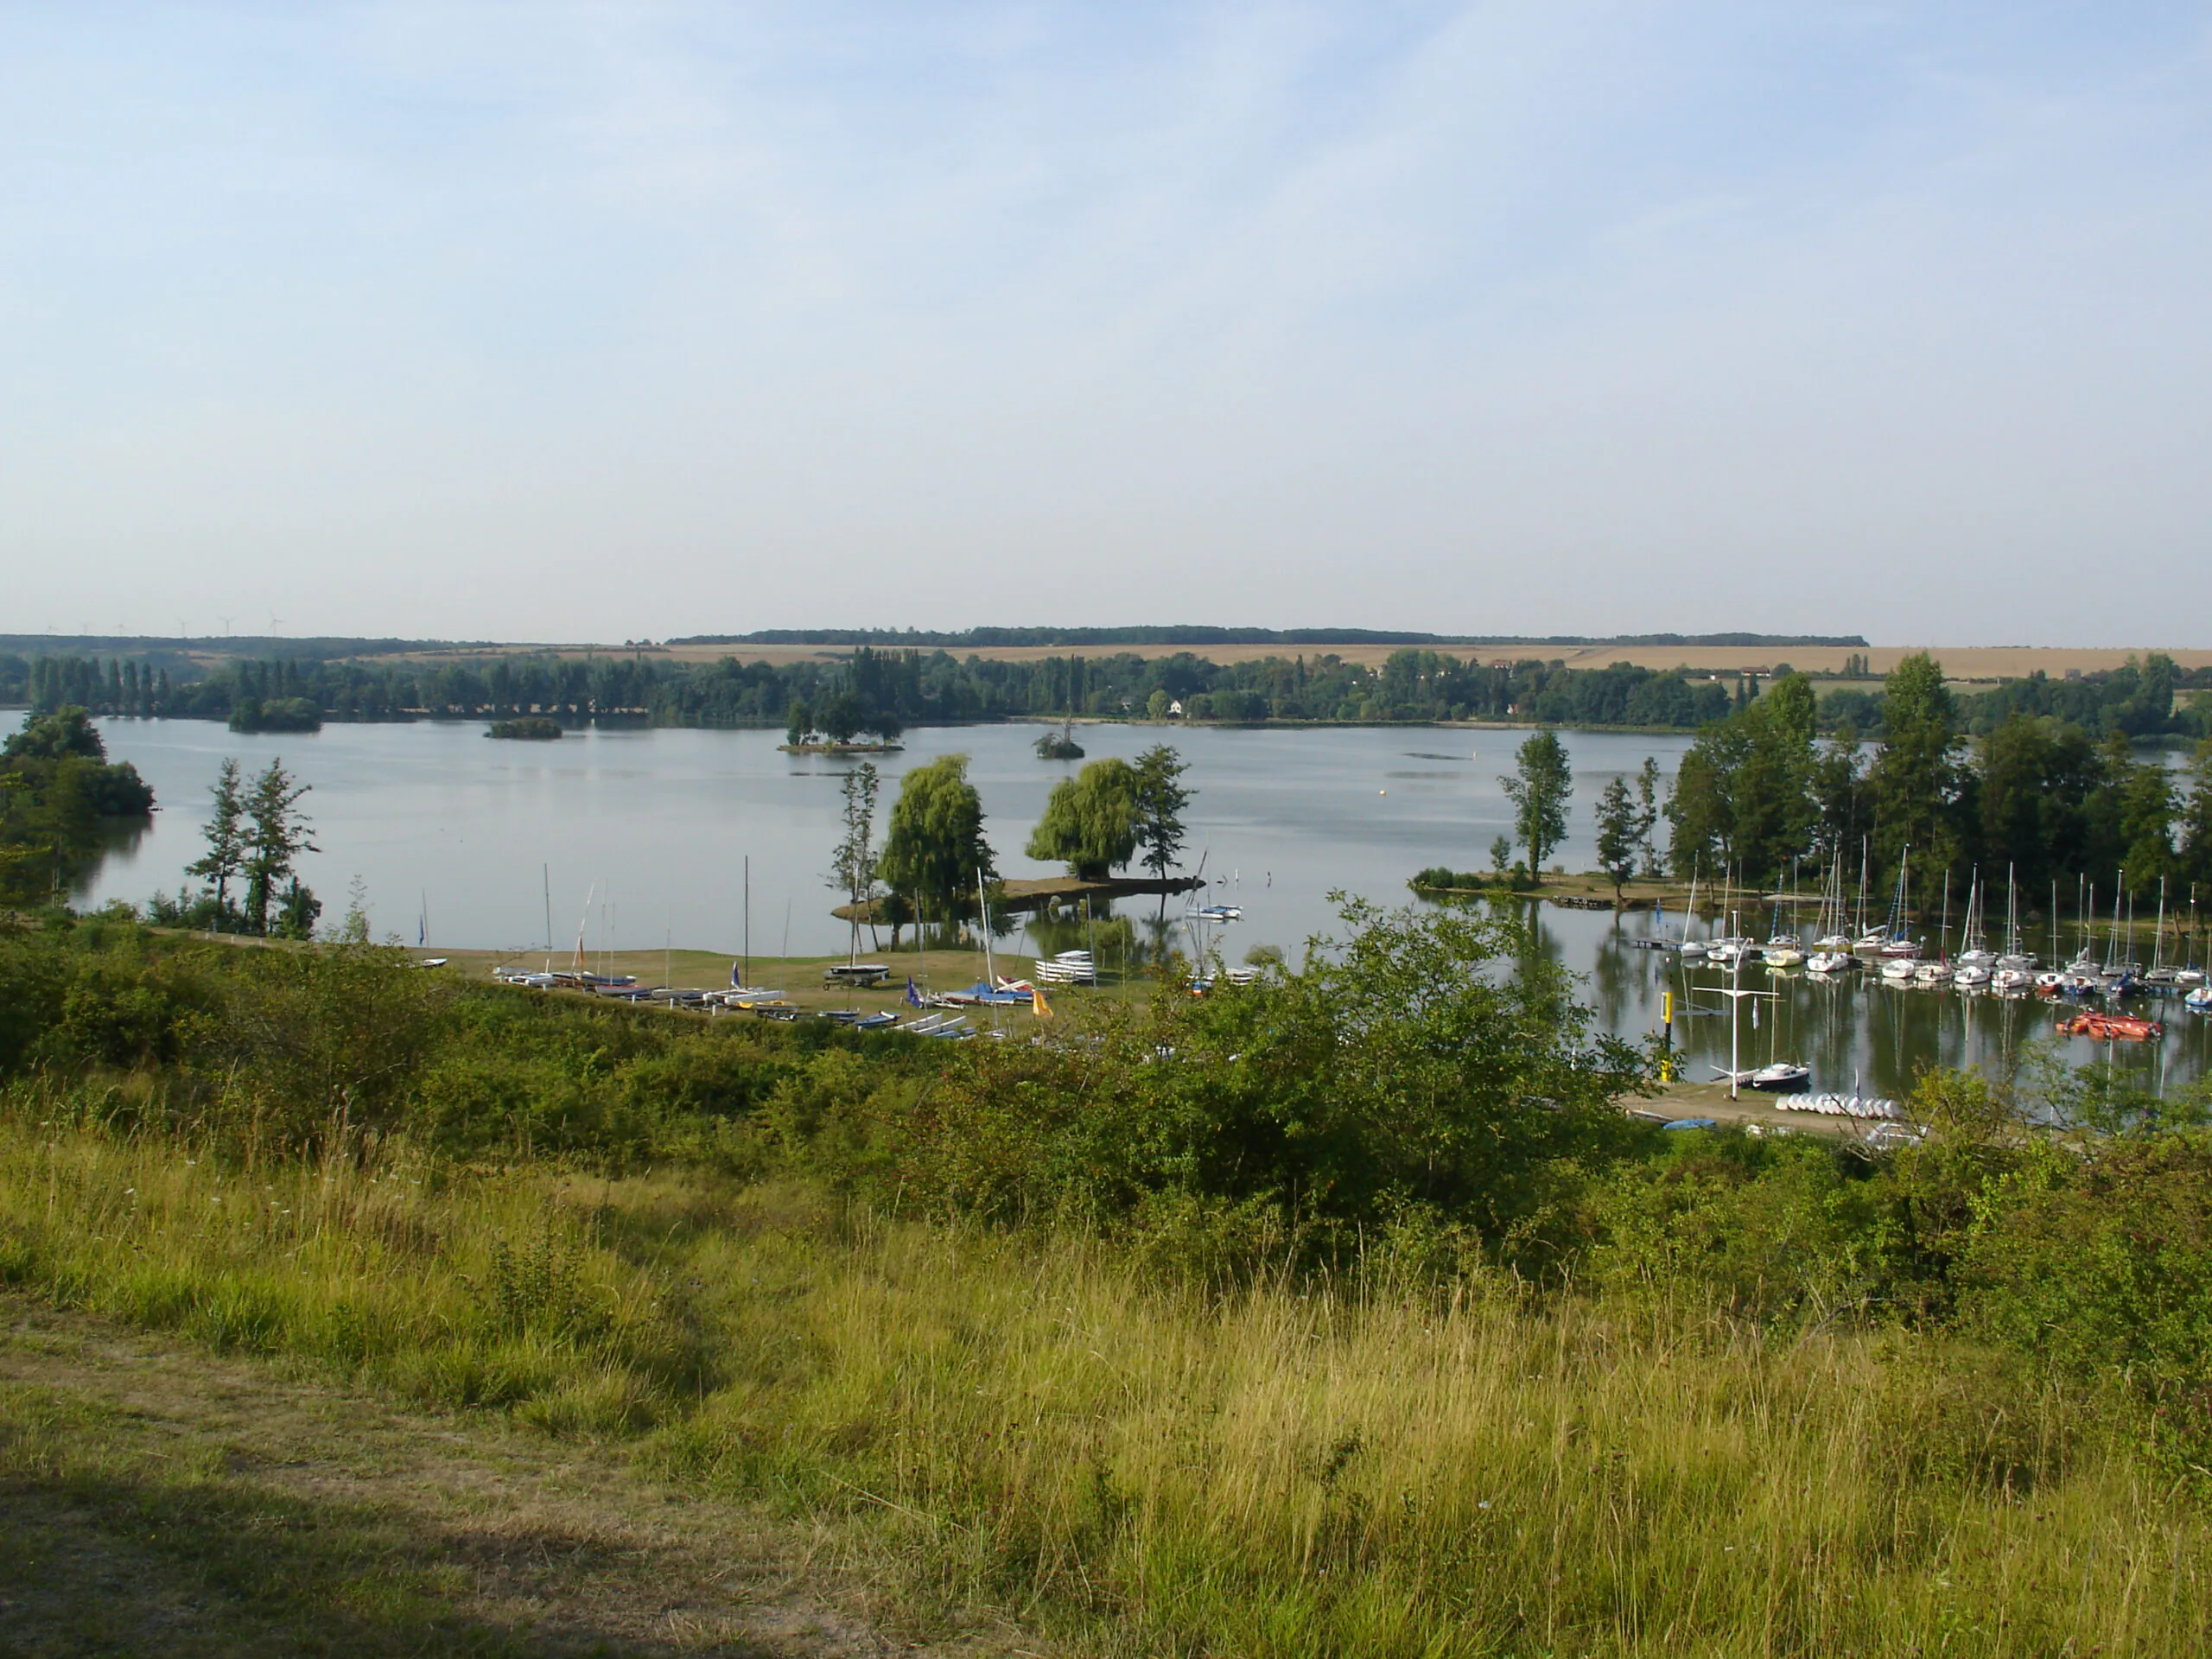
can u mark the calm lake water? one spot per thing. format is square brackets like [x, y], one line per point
[643, 836]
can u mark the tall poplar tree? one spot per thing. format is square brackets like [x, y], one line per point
[1539, 787]
[852, 867]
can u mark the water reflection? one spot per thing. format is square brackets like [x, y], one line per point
[1857, 1028]
[119, 839]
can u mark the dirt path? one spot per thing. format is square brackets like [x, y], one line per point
[154, 1499]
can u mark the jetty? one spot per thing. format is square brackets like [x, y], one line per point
[1049, 893]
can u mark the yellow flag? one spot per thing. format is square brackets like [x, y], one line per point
[1037, 1004]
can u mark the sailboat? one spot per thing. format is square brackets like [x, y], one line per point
[1974, 945]
[2084, 976]
[1977, 962]
[2160, 979]
[2120, 975]
[1832, 937]
[1832, 949]
[1899, 953]
[2185, 973]
[1938, 972]
[1784, 949]
[2015, 969]
[1891, 938]
[1733, 948]
[1691, 948]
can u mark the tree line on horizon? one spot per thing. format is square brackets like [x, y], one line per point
[886, 691]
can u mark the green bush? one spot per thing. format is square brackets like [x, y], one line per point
[1767, 1229]
[2100, 1264]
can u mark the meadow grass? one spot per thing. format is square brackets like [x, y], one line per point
[1060, 1431]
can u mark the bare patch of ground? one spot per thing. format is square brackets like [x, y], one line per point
[154, 1499]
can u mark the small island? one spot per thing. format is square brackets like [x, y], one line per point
[276, 714]
[532, 728]
[1060, 744]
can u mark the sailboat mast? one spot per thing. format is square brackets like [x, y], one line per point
[984, 922]
[1862, 887]
[2111, 939]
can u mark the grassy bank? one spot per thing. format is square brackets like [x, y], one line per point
[1344, 1312]
[1041, 1426]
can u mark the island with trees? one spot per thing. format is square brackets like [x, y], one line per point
[936, 865]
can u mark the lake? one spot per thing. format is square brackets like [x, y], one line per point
[643, 835]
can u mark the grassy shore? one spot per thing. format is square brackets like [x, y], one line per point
[1039, 1429]
[803, 980]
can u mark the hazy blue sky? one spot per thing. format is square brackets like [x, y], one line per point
[601, 321]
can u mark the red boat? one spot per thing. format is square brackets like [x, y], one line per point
[2110, 1027]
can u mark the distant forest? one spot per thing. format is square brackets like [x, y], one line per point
[1001, 639]
[889, 689]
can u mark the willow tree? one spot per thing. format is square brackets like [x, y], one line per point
[1091, 821]
[934, 852]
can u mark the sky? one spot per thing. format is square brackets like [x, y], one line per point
[604, 321]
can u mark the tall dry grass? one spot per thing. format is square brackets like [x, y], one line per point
[1043, 1428]
[487, 1292]
[1386, 1470]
